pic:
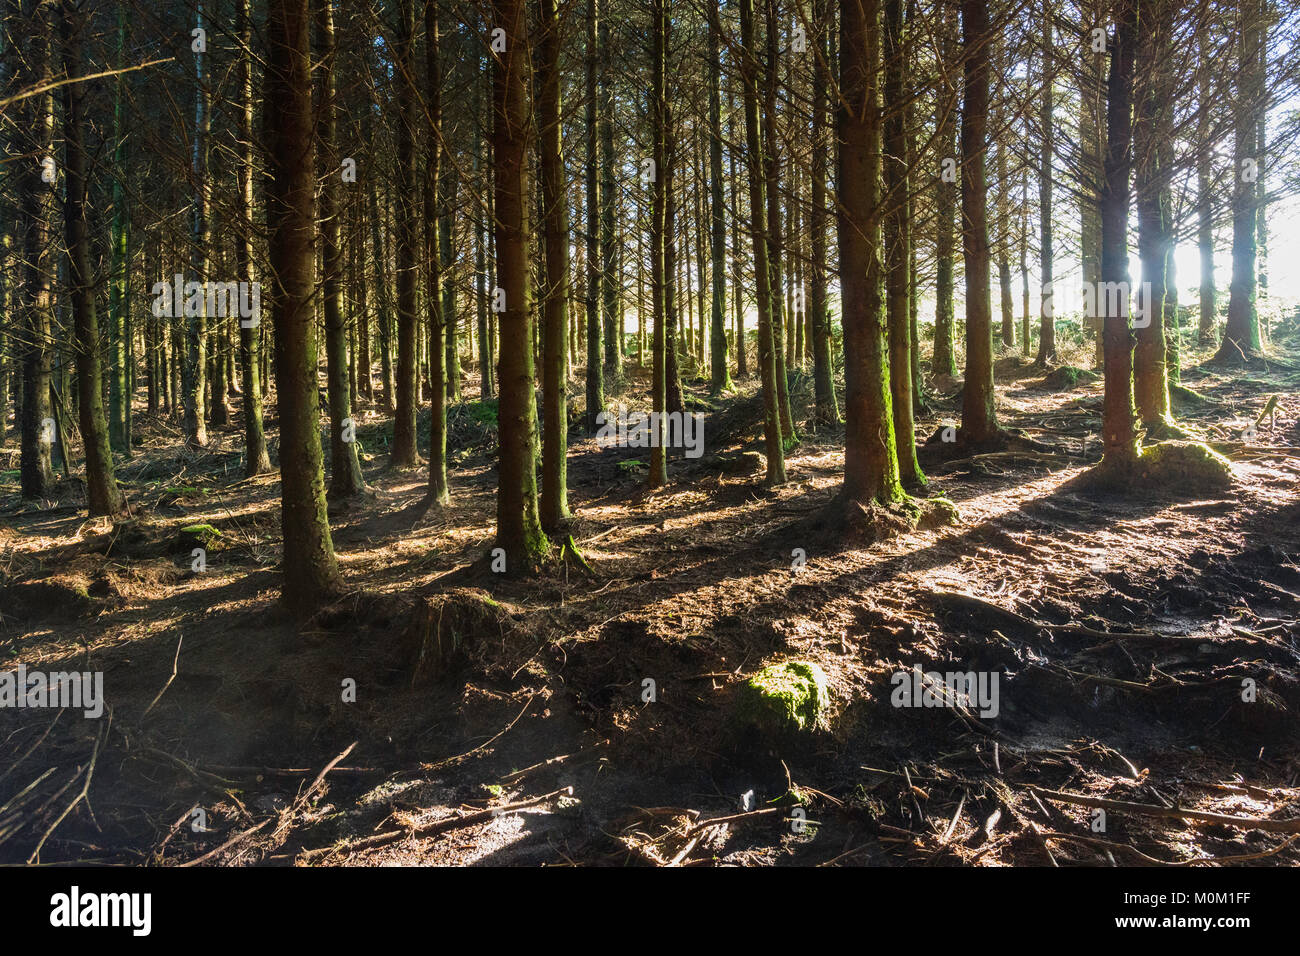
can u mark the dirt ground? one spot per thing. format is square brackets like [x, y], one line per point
[1146, 647]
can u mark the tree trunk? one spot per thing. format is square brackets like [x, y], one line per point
[345, 469]
[404, 453]
[870, 456]
[944, 361]
[434, 214]
[555, 300]
[767, 345]
[1205, 199]
[978, 415]
[595, 355]
[827, 412]
[720, 377]
[897, 247]
[659, 267]
[34, 134]
[519, 532]
[194, 369]
[775, 244]
[1046, 252]
[311, 572]
[1150, 373]
[1241, 339]
[119, 390]
[1119, 434]
[101, 487]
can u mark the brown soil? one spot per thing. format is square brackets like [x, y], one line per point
[1122, 629]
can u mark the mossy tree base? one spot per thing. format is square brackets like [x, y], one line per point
[1183, 467]
[1166, 429]
[847, 519]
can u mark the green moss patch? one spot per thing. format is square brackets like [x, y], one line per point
[1184, 465]
[789, 697]
[198, 536]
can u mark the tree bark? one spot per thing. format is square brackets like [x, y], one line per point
[555, 300]
[870, 456]
[1241, 338]
[1119, 434]
[978, 415]
[897, 247]
[519, 532]
[404, 453]
[767, 363]
[345, 469]
[34, 134]
[102, 494]
[595, 354]
[194, 369]
[827, 412]
[311, 572]
[434, 257]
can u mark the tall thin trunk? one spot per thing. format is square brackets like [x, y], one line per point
[486, 368]
[519, 532]
[758, 224]
[435, 258]
[870, 455]
[119, 390]
[404, 453]
[1092, 122]
[555, 300]
[1119, 433]
[34, 134]
[775, 242]
[944, 361]
[1205, 201]
[194, 370]
[897, 246]
[720, 378]
[451, 347]
[827, 411]
[102, 495]
[978, 415]
[610, 248]
[595, 356]
[345, 469]
[311, 572]
[660, 271]
[1046, 252]
[1241, 338]
[1150, 373]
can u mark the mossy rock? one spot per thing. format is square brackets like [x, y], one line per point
[1063, 378]
[1184, 465]
[785, 698]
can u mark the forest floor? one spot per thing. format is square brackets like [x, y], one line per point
[1127, 632]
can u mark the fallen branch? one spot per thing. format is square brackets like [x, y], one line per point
[1201, 816]
[435, 828]
[82, 795]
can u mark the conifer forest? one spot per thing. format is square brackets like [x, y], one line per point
[648, 433]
